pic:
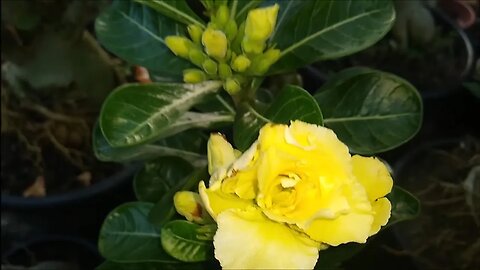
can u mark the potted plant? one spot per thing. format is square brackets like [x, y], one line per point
[223, 61]
[54, 79]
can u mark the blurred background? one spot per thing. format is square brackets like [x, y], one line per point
[56, 194]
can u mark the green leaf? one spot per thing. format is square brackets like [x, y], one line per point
[140, 113]
[180, 240]
[108, 265]
[310, 31]
[158, 176]
[404, 205]
[136, 33]
[175, 9]
[292, 103]
[186, 145]
[127, 236]
[371, 111]
[164, 209]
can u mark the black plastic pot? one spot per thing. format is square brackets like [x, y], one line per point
[409, 172]
[79, 212]
[71, 252]
[73, 197]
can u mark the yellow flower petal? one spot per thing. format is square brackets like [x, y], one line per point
[217, 201]
[382, 209]
[352, 227]
[249, 240]
[220, 153]
[373, 175]
[189, 205]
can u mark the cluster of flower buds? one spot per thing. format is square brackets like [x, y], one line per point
[228, 52]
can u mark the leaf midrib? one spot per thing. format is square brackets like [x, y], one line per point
[180, 13]
[365, 118]
[327, 29]
[153, 35]
[191, 93]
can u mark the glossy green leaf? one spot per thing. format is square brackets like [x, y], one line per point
[404, 205]
[158, 176]
[108, 265]
[310, 31]
[175, 9]
[164, 210]
[180, 240]
[187, 145]
[127, 236]
[136, 33]
[140, 113]
[292, 103]
[371, 111]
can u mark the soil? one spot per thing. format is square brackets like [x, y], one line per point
[46, 146]
[446, 235]
[434, 67]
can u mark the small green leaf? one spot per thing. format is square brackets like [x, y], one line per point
[186, 145]
[310, 31]
[140, 113]
[292, 103]
[404, 205]
[127, 236]
[175, 9]
[180, 240]
[164, 210]
[369, 110]
[158, 176]
[136, 33]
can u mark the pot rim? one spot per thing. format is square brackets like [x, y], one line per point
[74, 196]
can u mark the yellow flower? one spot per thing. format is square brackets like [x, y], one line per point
[215, 43]
[294, 191]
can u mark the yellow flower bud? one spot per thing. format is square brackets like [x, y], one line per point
[232, 86]
[222, 15]
[231, 30]
[220, 153]
[180, 46]
[258, 28]
[194, 76]
[241, 63]
[215, 43]
[197, 57]
[210, 67]
[261, 22]
[195, 33]
[253, 46]
[224, 70]
[262, 63]
[189, 205]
